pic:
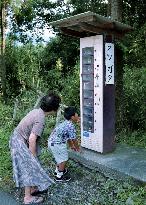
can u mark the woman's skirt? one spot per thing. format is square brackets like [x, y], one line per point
[27, 170]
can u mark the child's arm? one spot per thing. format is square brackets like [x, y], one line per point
[73, 144]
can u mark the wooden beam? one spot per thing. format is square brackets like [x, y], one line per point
[73, 33]
[90, 28]
[98, 30]
[72, 21]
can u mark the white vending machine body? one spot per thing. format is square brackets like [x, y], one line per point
[91, 92]
[97, 93]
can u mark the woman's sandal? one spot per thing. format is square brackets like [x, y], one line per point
[35, 200]
[36, 192]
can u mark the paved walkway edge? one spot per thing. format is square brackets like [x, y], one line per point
[124, 163]
[7, 199]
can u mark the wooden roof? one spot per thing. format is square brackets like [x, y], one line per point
[89, 24]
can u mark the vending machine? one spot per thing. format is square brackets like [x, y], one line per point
[97, 93]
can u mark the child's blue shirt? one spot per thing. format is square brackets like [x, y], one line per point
[63, 132]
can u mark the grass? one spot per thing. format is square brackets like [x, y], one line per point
[5, 131]
[136, 138]
[109, 191]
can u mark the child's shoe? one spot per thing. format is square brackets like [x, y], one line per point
[63, 178]
[64, 172]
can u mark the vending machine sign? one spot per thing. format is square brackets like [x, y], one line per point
[109, 63]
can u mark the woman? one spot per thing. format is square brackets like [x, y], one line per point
[27, 171]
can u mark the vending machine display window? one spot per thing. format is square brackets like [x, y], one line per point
[88, 88]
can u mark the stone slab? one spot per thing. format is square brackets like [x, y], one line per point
[124, 163]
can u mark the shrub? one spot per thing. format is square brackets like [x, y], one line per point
[71, 90]
[135, 92]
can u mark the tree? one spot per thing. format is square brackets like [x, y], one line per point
[3, 5]
[134, 13]
[115, 12]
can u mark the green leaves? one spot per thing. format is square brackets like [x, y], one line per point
[135, 92]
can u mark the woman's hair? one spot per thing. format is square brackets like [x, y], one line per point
[69, 112]
[50, 102]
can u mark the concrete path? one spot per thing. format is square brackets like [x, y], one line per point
[126, 163]
[7, 199]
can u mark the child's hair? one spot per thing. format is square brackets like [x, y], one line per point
[50, 102]
[69, 112]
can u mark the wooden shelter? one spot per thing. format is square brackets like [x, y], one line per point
[90, 24]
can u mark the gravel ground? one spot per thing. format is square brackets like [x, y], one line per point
[87, 187]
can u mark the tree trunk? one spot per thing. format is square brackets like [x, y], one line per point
[2, 48]
[109, 8]
[115, 11]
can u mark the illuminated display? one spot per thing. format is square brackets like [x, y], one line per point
[88, 88]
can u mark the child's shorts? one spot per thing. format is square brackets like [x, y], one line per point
[59, 152]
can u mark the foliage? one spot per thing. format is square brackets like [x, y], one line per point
[34, 16]
[33, 68]
[6, 125]
[135, 92]
[133, 138]
[71, 90]
[134, 47]
[134, 13]
[96, 6]
[23, 68]
[64, 48]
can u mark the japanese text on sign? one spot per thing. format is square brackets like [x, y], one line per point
[109, 63]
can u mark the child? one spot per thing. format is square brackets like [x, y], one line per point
[64, 133]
